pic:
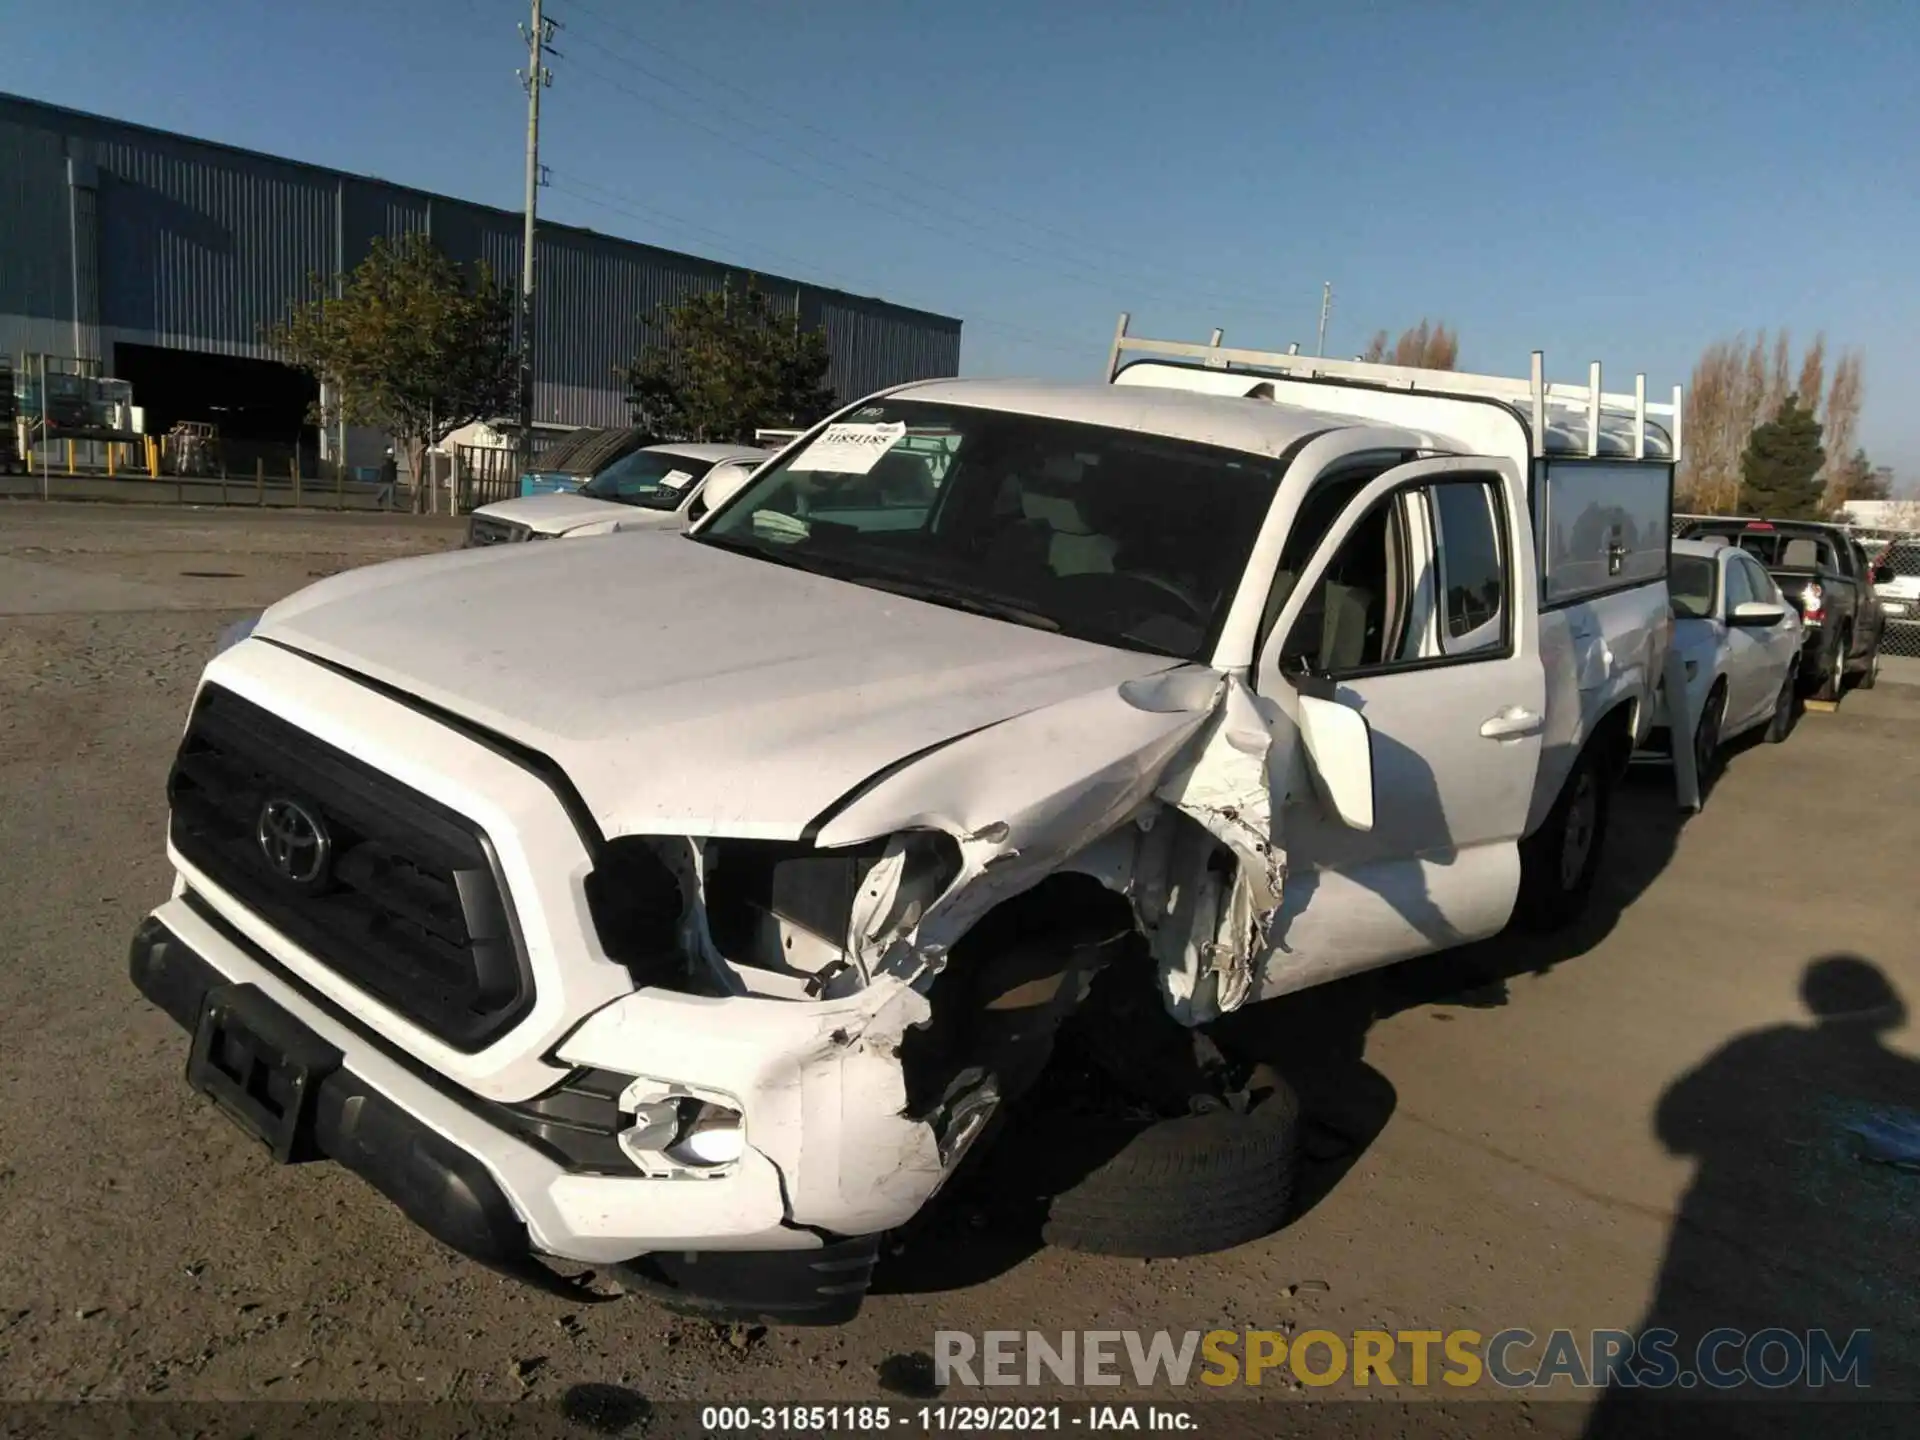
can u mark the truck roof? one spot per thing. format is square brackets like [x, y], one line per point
[1262, 427]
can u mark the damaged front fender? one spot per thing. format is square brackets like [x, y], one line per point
[1165, 776]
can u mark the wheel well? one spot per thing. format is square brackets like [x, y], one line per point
[1015, 958]
[1614, 733]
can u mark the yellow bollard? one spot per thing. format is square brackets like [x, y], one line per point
[111, 447]
[69, 459]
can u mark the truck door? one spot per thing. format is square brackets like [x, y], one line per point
[1418, 610]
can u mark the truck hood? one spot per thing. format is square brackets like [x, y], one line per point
[557, 514]
[682, 688]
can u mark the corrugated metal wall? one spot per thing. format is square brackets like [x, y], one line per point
[200, 247]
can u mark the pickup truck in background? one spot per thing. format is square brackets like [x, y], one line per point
[1899, 592]
[1830, 581]
[694, 904]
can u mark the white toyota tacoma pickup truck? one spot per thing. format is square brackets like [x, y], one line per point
[706, 940]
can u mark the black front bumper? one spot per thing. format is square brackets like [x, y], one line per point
[441, 1188]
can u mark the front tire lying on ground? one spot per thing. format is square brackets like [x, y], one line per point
[1559, 861]
[1190, 1185]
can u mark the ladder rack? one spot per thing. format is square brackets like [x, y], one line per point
[1534, 398]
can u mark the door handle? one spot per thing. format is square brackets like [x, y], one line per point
[1512, 723]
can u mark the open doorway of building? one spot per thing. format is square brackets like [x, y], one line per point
[261, 407]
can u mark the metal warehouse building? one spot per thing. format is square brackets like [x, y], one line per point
[163, 257]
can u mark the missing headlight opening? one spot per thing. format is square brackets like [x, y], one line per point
[816, 915]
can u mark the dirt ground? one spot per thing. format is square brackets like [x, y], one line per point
[1638, 1123]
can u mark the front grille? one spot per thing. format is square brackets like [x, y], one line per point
[486, 530]
[404, 897]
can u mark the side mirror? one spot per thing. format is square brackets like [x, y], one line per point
[1883, 574]
[721, 488]
[1339, 746]
[1757, 615]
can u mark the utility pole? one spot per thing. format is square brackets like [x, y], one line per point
[535, 78]
[1326, 308]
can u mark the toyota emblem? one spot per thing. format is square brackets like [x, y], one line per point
[294, 841]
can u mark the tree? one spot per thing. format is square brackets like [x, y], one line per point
[1422, 346]
[1856, 478]
[1780, 468]
[413, 345]
[725, 363]
[1735, 386]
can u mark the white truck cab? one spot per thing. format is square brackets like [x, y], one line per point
[709, 943]
[658, 487]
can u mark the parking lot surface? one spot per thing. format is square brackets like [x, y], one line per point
[1638, 1123]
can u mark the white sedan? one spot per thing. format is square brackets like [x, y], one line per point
[659, 488]
[1739, 643]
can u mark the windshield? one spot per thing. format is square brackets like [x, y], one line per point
[651, 479]
[1106, 535]
[1691, 586]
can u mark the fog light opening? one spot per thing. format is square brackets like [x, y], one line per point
[710, 1136]
[673, 1132]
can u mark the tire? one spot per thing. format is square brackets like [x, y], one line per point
[1192, 1185]
[1786, 708]
[1559, 861]
[1707, 739]
[1833, 678]
[1870, 677]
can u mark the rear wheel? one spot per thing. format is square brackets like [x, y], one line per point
[1559, 861]
[1833, 679]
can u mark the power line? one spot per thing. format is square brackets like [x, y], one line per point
[842, 142]
[1075, 269]
[617, 202]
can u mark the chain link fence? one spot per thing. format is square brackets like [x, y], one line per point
[1899, 549]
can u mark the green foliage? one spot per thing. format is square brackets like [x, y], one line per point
[1779, 471]
[724, 363]
[413, 345]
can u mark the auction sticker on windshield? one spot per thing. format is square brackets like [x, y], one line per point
[675, 480]
[849, 449]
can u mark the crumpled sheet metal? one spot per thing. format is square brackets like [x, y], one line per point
[824, 1074]
[1026, 796]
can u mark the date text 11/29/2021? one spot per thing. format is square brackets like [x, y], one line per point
[933, 1419]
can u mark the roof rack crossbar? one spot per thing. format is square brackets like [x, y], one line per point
[1534, 396]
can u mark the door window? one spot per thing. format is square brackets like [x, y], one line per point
[1473, 582]
[1428, 550]
[1739, 584]
[1761, 583]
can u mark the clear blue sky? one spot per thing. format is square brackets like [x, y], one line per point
[1620, 181]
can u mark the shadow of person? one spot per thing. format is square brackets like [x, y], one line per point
[1800, 1218]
